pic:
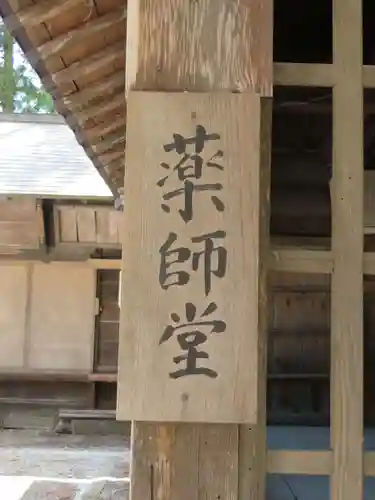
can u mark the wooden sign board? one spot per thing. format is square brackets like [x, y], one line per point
[191, 254]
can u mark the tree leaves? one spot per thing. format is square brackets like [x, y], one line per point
[20, 87]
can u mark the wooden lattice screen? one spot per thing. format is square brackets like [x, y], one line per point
[345, 462]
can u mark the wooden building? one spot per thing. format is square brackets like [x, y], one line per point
[314, 62]
[59, 271]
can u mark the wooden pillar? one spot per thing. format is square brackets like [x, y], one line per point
[203, 46]
[347, 247]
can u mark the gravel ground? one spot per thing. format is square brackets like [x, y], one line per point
[41, 467]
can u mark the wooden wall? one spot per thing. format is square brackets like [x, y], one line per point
[21, 225]
[47, 317]
[96, 226]
[13, 301]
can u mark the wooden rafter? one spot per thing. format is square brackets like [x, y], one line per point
[116, 102]
[115, 165]
[41, 12]
[107, 158]
[96, 62]
[116, 173]
[108, 86]
[110, 141]
[105, 128]
[77, 35]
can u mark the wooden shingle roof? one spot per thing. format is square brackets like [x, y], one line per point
[77, 47]
[50, 163]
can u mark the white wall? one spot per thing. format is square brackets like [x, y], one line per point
[47, 316]
[13, 305]
[62, 317]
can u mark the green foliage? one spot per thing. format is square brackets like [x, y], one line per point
[30, 97]
[20, 87]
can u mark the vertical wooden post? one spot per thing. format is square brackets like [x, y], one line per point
[347, 246]
[203, 46]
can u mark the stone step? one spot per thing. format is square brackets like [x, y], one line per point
[112, 491]
[31, 418]
[43, 490]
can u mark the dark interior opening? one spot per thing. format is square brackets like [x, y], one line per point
[368, 32]
[301, 162]
[303, 31]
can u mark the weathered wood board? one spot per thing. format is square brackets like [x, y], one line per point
[200, 46]
[87, 225]
[21, 225]
[190, 281]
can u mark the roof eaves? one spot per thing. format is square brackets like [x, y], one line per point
[32, 118]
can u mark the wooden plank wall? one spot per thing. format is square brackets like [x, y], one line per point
[21, 225]
[97, 226]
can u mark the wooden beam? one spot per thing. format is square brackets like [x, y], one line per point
[307, 463]
[291, 260]
[77, 35]
[315, 108]
[310, 463]
[91, 64]
[369, 77]
[369, 463]
[298, 260]
[114, 264]
[347, 249]
[369, 263]
[315, 75]
[200, 48]
[184, 64]
[304, 75]
[108, 86]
